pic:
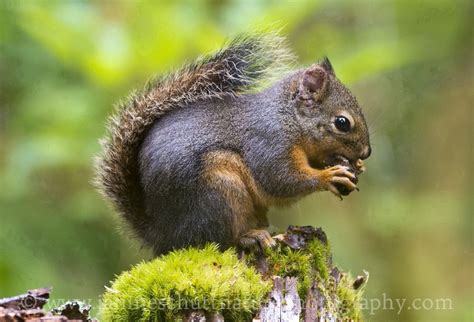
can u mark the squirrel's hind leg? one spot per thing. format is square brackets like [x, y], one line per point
[226, 173]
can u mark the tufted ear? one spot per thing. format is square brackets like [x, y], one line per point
[313, 85]
[327, 66]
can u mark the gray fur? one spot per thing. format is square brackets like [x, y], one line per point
[151, 167]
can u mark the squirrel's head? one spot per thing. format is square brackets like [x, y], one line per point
[332, 122]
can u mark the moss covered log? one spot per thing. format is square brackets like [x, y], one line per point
[294, 281]
[171, 287]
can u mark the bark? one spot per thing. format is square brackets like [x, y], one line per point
[284, 302]
[29, 307]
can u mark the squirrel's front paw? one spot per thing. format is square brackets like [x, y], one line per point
[337, 179]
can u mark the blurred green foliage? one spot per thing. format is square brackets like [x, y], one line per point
[63, 64]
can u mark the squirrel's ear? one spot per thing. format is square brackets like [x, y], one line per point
[313, 85]
[327, 66]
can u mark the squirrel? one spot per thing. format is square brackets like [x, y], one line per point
[200, 155]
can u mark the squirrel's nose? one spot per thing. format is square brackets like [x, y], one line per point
[366, 153]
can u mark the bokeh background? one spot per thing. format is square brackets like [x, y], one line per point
[63, 65]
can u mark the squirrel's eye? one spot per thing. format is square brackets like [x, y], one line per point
[342, 124]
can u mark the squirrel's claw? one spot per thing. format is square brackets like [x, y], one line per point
[334, 191]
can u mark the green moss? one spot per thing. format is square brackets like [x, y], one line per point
[349, 299]
[307, 264]
[167, 287]
[314, 263]
[320, 258]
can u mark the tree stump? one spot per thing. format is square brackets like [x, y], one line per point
[296, 281]
[315, 292]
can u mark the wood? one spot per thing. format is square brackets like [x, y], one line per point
[284, 302]
[28, 307]
[33, 299]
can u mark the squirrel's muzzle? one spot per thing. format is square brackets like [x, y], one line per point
[366, 153]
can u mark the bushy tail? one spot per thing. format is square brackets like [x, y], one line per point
[242, 65]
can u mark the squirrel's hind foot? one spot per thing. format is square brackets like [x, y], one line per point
[256, 238]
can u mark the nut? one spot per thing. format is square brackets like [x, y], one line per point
[340, 160]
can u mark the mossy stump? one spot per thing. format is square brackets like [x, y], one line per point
[295, 281]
